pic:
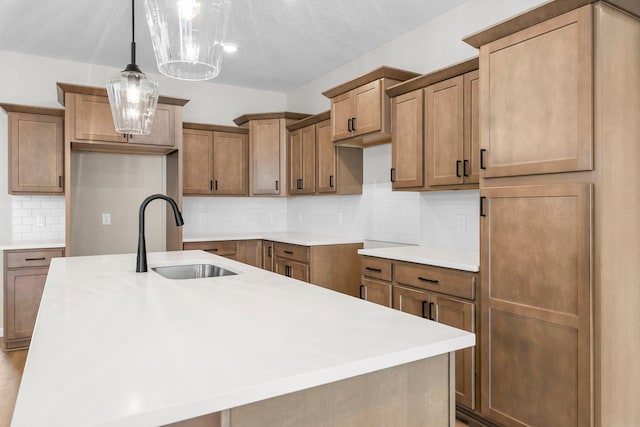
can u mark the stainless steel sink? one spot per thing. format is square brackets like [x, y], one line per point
[192, 271]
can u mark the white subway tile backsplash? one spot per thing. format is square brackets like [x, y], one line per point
[27, 209]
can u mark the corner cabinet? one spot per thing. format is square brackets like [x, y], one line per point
[316, 165]
[90, 123]
[360, 110]
[268, 140]
[435, 138]
[215, 160]
[25, 274]
[36, 150]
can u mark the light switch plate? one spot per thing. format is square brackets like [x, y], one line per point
[461, 223]
[106, 219]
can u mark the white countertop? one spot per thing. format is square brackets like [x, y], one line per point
[448, 258]
[27, 244]
[305, 239]
[113, 347]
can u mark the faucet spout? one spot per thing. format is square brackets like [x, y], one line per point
[141, 258]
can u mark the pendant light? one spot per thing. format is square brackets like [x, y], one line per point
[132, 96]
[188, 36]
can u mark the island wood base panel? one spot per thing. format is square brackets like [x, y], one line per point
[413, 394]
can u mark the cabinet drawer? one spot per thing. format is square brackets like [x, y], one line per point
[378, 268]
[436, 279]
[294, 252]
[224, 248]
[35, 258]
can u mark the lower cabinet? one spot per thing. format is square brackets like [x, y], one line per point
[267, 255]
[225, 248]
[439, 294]
[25, 274]
[250, 252]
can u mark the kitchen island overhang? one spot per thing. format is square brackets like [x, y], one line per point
[115, 347]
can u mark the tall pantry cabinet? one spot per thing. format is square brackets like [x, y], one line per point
[560, 198]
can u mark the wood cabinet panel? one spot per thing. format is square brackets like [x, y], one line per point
[471, 161]
[290, 251]
[32, 258]
[407, 143]
[36, 154]
[376, 291]
[447, 281]
[444, 129]
[536, 312]
[266, 153]
[267, 255]
[250, 252]
[293, 269]
[412, 301]
[537, 95]
[341, 114]
[367, 108]
[197, 158]
[93, 119]
[326, 159]
[302, 161]
[224, 248]
[163, 128]
[230, 164]
[377, 268]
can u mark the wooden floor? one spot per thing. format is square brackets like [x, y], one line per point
[11, 367]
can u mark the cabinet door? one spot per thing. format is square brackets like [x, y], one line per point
[36, 153]
[267, 255]
[341, 115]
[471, 166]
[325, 159]
[308, 160]
[444, 127]
[23, 292]
[412, 301]
[367, 104]
[293, 269]
[265, 156]
[93, 119]
[537, 98]
[459, 314]
[295, 161]
[230, 164]
[197, 161]
[536, 305]
[376, 291]
[163, 128]
[407, 144]
[250, 252]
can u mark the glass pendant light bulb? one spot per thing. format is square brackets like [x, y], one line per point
[132, 96]
[188, 36]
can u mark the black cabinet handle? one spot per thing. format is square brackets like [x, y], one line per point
[60, 181]
[215, 185]
[349, 128]
[288, 252]
[361, 293]
[482, 153]
[210, 185]
[331, 181]
[269, 248]
[35, 259]
[393, 173]
[277, 187]
[482, 199]
[299, 184]
[377, 270]
[353, 124]
[431, 304]
[465, 168]
[214, 250]
[424, 279]
[458, 162]
[424, 311]
[287, 271]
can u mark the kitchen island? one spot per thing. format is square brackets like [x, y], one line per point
[113, 347]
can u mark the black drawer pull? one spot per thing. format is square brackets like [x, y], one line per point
[288, 252]
[215, 185]
[269, 251]
[431, 304]
[60, 181]
[458, 163]
[424, 279]
[349, 129]
[377, 270]
[277, 186]
[331, 181]
[393, 175]
[482, 152]
[465, 168]
[353, 124]
[361, 293]
[424, 311]
[35, 259]
[482, 212]
[213, 250]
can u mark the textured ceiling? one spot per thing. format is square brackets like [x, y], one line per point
[283, 44]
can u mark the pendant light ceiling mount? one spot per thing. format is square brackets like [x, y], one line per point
[188, 36]
[133, 97]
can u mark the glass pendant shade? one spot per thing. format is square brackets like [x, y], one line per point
[133, 99]
[188, 36]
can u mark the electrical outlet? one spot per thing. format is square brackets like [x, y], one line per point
[39, 220]
[106, 219]
[461, 223]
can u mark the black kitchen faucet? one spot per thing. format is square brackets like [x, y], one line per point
[141, 259]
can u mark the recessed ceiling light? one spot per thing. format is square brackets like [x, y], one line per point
[230, 47]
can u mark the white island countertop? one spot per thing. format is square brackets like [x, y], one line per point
[296, 238]
[112, 347]
[447, 258]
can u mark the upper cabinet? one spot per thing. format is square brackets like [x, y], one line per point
[268, 140]
[316, 165]
[215, 160]
[539, 112]
[435, 139]
[36, 153]
[360, 109]
[90, 123]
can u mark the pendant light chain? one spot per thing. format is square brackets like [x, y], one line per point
[133, 32]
